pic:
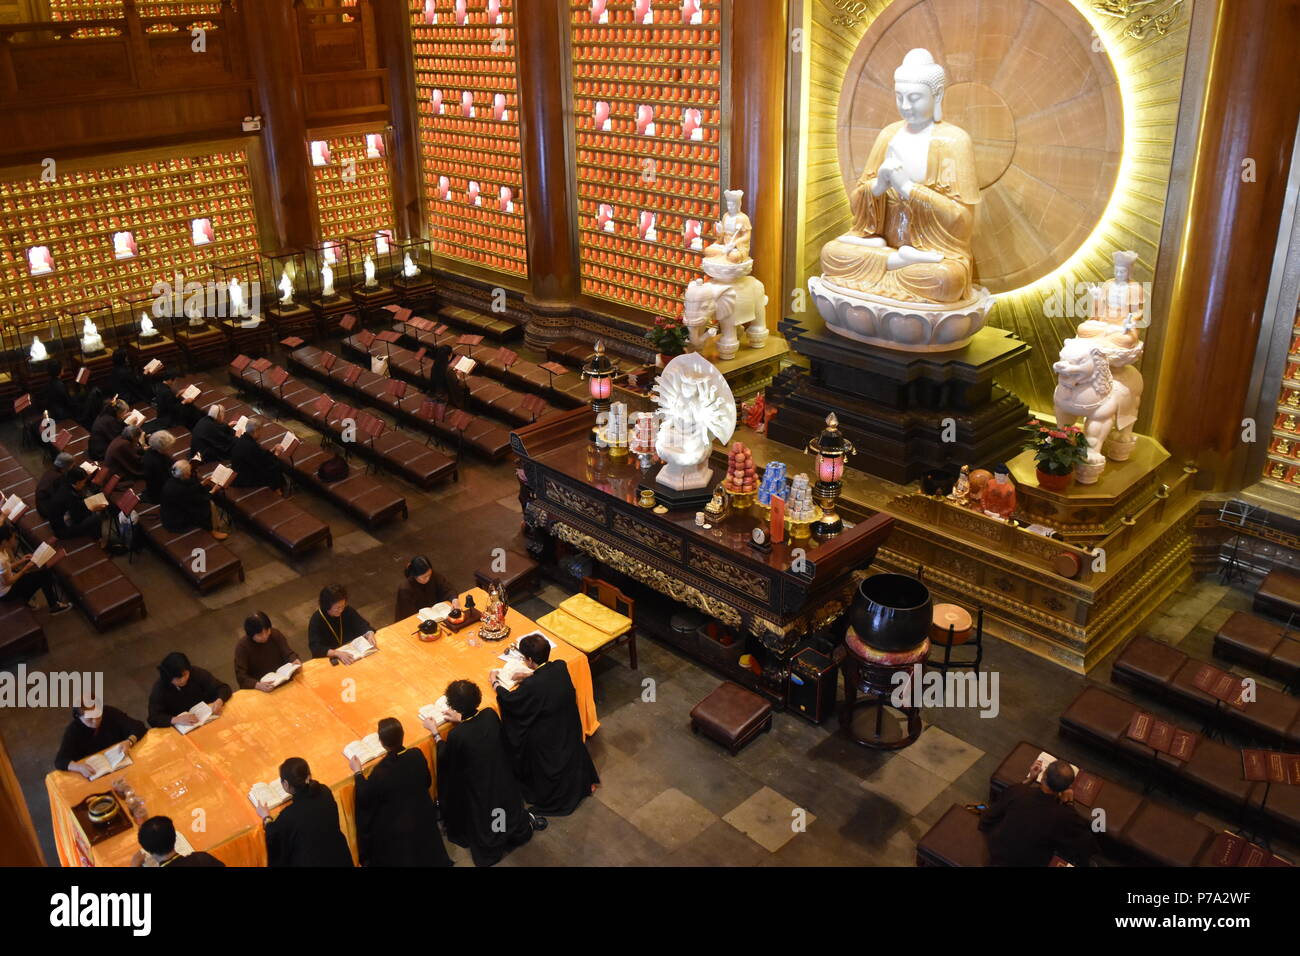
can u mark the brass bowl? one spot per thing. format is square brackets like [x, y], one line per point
[101, 808]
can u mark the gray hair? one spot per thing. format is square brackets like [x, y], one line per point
[162, 441]
[251, 426]
[131, 432]
[63, 461]
[181, 469]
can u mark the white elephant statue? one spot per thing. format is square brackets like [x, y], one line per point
[730, 304]
[1102, 387]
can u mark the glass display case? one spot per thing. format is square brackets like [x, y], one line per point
[286, 293]
[372, 261]
[413, 275]
[37, 341]
[238, 287]
[329, 272]
[144, 327]
[89, 336]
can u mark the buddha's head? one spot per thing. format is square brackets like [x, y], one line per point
[733, 198]
[1124, 265]
[918, 88]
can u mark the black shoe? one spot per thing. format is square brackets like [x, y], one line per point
[539, 822]
[61, 607]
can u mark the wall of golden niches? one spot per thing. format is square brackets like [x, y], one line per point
[1073, 106]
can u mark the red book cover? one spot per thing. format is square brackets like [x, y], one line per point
[1059, 862]
[470, 340]
[1205, 677]
[327, 360]
[1139, 727]
[440, 330]
[83, 375]
[1254, 855]
[1226, 688]
[555, 368]
[1227, 849]
[426, 410]
[394, 308]
[110, 484]
[374, 427]
[1086, 787]
[261, 365]
[1293, 769]
[1276, 766]
[365, 338]
[351, 375]
[348, 322]
[401, 314]
[292, 342]
[240, 362]
[61, 439]
[419, 323]
[1276, 860]
[323, 405]
[396, 388]
[507, 357]
[461, 421]
[22, 403]
[1254, 765]
[127, 501]
[388, 336]
[343, 411]
[99, 477]
[1162, 735]
[439, 411]
[1182, 744]
[279, 376]
[420, 353]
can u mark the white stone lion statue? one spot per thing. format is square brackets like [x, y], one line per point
[1102, 387]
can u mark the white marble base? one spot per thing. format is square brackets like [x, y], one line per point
[89, 346]
[1089, 472]
[685, 477]
[909, 326]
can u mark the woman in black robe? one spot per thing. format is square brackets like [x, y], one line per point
[475, 782]
[397, 822]
[307, 832]
[91, 732]
[423, 587]
[335, 623]
[179, 687]
[543, 732]
[211, 437]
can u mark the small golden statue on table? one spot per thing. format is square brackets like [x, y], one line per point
[494, 627]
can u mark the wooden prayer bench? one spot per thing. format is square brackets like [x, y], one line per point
[1278, 595]
[1260, 644]
[21, 634]
[177, 549]
[732, 716]
[1213, 772]
[954, 840]
[521, 572]
[571, 352]
[492, 326]
[1169, 674]
[412, 407]
[88, 576]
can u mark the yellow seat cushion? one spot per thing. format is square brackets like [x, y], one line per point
[569, 629]
[590, 611]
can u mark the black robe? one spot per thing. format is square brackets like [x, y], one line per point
[166, 700]
[107, 427]
[157, 472]
[412, 595]
[543, 732]
[475, 783]
[306, 833]
[211, 439]
[186, 505]
[171, 411]
[323, 636]
[80, 741]
[397, 823]
[1027, 827]
[58, 402]
[254, 466]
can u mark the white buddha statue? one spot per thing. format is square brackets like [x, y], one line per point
[409, 268]
[1116, 308]
[235, 297]
[369, 267]
[327, 281]
[909, 248]
[286, 287]
[147, 329]
[37, 352]
[733, 231]
[91, 340]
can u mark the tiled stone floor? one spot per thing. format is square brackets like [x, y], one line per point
[800, 795]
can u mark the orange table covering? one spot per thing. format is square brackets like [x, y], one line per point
[315, 716]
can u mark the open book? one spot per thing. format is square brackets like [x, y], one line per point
[89, 467]
[191, 393]
[241, 425]
[359, 648]
[106, 761]
[281, 674]
[287, 443]
[200, 710]
[269, 795]
[366, 749]
[513, 671]
[43, 554]
[1043, 761]
[134, 417]
[436, 711]
[464, 365]
[13, 507]
[152, 367]
[96, 502]
[221, 476]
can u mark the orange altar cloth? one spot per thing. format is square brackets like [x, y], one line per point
[205, 775]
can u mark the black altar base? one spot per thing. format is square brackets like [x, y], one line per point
[894, 405]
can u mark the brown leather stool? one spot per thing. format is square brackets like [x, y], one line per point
[1278, 594]
[732, 715]
[955, 840]
[520, 573]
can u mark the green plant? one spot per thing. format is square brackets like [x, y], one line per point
[669, 336]
[1056, 450]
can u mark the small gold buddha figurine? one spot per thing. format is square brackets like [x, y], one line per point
[1292, 398]
[1284, 447]
[1277, 470]
[961, 487]
[719, 506]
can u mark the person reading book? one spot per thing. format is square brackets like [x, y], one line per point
[172, 410]
[397, 822]
[125, 454]
[20, 579]
[160, 845]
[211, 437]
[261, 650]
[56, 401]
[93, 730]
[481, 803]
[124, 381]
[1032, 821]
[179, 688]
[157, 465]
[306, 833]
[187, 503]
[255, 467]
[336, 624]
[423, 587]
[107, 426]
[543, 732]
[70, 516]
[49, 484]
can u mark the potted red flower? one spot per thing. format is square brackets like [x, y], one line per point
[1056, 452]
[669, 337]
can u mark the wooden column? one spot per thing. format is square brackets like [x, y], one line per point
[759, 40]
[19, 845]
[273, 56]
[1221, 281]
[541, 28]
[393, 35]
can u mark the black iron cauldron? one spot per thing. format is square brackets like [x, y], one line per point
[891, 612]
